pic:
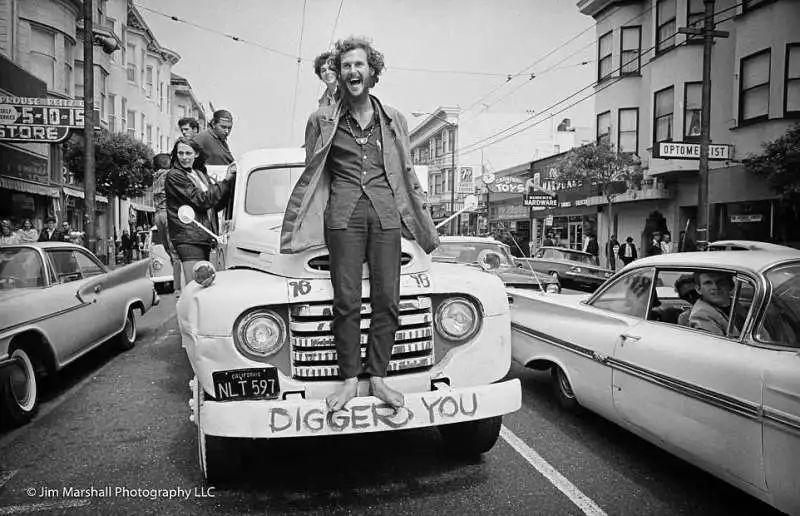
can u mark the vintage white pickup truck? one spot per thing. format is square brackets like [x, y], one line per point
[258, 336]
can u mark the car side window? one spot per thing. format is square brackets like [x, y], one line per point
[780, 324]
[743, 295]
[628, 295]
[65, 265]
[87, 265]
[673, 297]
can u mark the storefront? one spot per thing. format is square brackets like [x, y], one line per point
[570, 223]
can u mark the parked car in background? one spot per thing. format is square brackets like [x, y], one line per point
[748, 245]
[160, 262]
[571, 268]
[58, 302]
[473, 250]
[728, 403]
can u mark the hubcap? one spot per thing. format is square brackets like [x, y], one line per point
[130, 329]
[23, 382]
[564, 385]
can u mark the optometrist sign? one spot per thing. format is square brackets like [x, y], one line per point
[679, 150]
[39, 120]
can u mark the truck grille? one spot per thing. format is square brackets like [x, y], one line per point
[312, 344]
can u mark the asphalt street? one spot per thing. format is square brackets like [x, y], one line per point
[113, 437]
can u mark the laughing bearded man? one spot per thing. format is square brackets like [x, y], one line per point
[359, 194]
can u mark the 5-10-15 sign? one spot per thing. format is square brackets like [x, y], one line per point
[39, 120]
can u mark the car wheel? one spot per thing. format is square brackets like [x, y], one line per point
[563, 390]
[126, 339]
[212, 453]
[19, 393]
[471, 438]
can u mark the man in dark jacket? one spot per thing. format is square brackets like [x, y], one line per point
[214, 140]
[627, 252]
[50, 233]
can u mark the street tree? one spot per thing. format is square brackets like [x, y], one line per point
[123, 164]
[779, 165]
[600, 168]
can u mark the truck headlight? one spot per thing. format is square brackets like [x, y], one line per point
[457, 319]
[260, 333]
[204, 273]
[157, 264]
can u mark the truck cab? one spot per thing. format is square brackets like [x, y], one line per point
[257, 325]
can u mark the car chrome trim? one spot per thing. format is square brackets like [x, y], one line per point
[719, 400]
[41, 318]
[779, 418]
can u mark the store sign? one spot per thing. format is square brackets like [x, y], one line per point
[739, 219]
[38, 120]
[677, 150]
[513, 185]
[540, 200]
[548, 221]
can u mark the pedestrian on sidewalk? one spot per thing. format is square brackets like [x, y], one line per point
[126, 244]
[627, 251]
[611, 253]
[360, 195]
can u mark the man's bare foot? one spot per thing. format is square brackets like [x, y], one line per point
[339, 398]
[385, 393]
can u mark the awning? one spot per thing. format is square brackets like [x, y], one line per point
[74, 192]
[143, 207]
[30, 187]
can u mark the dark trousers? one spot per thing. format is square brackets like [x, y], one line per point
[364, 239]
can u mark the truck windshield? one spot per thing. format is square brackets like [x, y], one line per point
[268, 189]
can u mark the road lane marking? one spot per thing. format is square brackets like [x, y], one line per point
[10, 437]
[5, 476]
[558, 480]
[44, 506]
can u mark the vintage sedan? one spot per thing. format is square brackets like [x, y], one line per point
[572, 268]
[748, 245]
[58, 302]
[258, 335]
[727, 401]
[473, 251]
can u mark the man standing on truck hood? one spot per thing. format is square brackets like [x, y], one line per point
[359, 194]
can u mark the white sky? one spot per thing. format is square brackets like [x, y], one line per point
[486, 36]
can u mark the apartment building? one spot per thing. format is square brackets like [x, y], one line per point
[649, 93]
[185, 102]
[447, 140]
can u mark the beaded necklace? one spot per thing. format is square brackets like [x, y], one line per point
[361, 140]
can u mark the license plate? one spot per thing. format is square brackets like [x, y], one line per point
[246, 384]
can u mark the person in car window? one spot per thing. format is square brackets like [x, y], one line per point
[710, 312]
[687, 290]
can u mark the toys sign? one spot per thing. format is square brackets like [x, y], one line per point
[512, 185]
[39, 120]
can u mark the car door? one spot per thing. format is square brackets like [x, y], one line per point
[694, 393]
[77, 324]
[778, 336]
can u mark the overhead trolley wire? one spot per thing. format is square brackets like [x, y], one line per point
[299, 61]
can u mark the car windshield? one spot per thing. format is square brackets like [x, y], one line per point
[467, 252]
[780, 323]
[20, 268]
[268, 190]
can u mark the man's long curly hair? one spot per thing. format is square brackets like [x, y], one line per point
[374, 57]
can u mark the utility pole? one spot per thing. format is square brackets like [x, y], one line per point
[704, 233]
[88, 128]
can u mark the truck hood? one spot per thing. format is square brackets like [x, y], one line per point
[255, 244]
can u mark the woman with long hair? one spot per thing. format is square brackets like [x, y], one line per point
[188, 184]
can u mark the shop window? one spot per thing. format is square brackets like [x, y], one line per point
[696, 12]
[754, 87]
[628, 130]
[604, 128]
[604, 58]
[666, 25]
[791, 105]
[630, 60]
[664, 103]
[692, 110]
[43, 55]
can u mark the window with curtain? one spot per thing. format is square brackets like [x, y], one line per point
[792, 102]
[69, 59]
[43, 55]
[666, 25]
[604, 127]
[664, 111]
[692, 110]
[695, 13]
[754, 86]
[628, 130]
[605, 66]
[630, 60]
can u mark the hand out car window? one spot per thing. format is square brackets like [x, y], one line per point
[674, 296]
[628, 295]
[780, 324]
[20, 268]
[87, 265]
